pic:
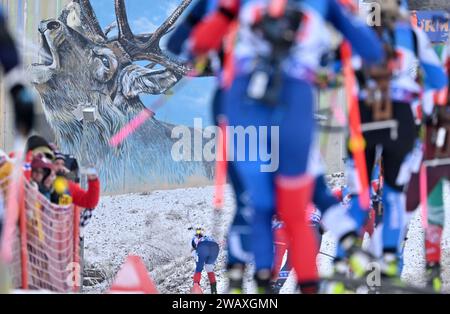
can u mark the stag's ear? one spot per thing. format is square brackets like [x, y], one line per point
[139, 80]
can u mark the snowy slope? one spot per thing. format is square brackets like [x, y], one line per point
[155, 227]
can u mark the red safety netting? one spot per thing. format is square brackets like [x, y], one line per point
[46, 243]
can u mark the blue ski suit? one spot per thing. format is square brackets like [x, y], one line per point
[207, 250]
[413, 47]
[291, 122]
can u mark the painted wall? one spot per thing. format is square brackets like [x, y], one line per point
[91, 71]
[142, 166]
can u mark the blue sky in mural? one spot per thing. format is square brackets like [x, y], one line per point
[145, 16]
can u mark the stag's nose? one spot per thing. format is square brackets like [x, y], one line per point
[49, 25]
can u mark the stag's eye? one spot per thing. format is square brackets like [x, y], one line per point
[105, 62]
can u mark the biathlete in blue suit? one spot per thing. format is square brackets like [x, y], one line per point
[407, 48]
[205, 251]
[274, 66]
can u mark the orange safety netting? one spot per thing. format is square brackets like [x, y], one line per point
[46, 243]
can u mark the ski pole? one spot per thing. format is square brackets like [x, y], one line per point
[220, 175]
[327, 255]
[423, 187]
[423, 179]
[357, 142]
[423, 195]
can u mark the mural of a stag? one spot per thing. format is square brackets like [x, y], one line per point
[84, 68]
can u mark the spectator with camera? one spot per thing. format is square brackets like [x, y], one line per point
[66, 184]
[62, 182]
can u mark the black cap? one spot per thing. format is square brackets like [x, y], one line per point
[71, 163]
[36, 141]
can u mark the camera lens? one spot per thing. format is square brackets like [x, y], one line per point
[60, 174]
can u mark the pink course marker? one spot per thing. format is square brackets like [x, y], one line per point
[128, 129]
[423, 196]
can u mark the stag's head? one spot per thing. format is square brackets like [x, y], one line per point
[82, 66]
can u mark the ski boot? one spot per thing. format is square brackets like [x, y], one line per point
[390, 271]
[235, 279]
[337, 283]
[358, 259]
[212, 282]
[263, 279]
[434, 280]
[308, 287]
[389, 265]
[275, 287]
[358, 262]
[349, 274]
[214, 288]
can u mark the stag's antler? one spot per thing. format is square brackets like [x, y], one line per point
[90, 17]
[165, 27]
[146, 47]
[125, 33]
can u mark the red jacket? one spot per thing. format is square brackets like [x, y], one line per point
[208, 35]
[85, 199]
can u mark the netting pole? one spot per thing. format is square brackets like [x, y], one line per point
[23, 235]
[76, 247]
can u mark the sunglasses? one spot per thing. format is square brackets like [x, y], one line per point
[49, 156]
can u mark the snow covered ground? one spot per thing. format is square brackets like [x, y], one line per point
[155, 226]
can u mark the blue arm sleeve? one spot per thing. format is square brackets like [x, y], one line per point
[435, 77]
[9, 57]
[363, 39]
[181, 34]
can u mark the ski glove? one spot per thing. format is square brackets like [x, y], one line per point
[86, 216]
[24, 108]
